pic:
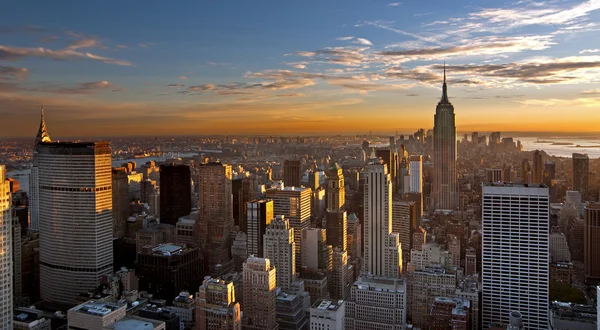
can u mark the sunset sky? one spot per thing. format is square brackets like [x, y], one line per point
[266, 67]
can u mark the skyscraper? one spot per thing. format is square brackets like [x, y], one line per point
[404, 222]
[260, 214]
[525, 171]
[292, 173]
[34, 189]
[339, 275]
[515, 254]
[75, 217]
[336, 214]
[445, 188]
[294, 204]
[259, 294]
[6, 250]
[378, 223]
[416, 174]
[120, 200]
[215, 214]
[175, 192]
[538, 167]
[591, 243]
[581, 165]
[280, 249]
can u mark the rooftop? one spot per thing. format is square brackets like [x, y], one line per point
[328, 305]
[381, 284]
[510, 184]
[135, 323]
[97, 308]
[167, 249]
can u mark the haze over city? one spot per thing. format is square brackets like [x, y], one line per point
[114, 68]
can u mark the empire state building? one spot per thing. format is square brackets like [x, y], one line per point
[445, 192]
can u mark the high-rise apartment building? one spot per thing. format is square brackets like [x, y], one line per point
[591, 243]
[216, 306]
[445, 187]
[549, 172]
[120, 201]
[378, 256]
[292, 173]
[279, 248]
[354, 237]
[215, 215]
[515, 253]
[294, 204]
[75, 210]
[175, 192]
[416, 174]
[314, 180]
[259, 294]
[538, 167]
[581, 166]
[376, 303]
[259, 216]
[34, 183]
[387, 157]
[6, 252]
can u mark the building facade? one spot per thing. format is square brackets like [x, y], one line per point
[6, 251]
[515, 253]
[215, 215]
[294, 204]
[591, 243]
[581, 167]
[416, 174]
[378, 222]
[445, 187]
[376, 303]
[216, 306]
[260, 286]
[75, 210]
[327, 315]
[259, 216]
[292, 173]
[280, 249]
[175, 192]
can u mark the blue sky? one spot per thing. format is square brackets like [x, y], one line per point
[194, 67]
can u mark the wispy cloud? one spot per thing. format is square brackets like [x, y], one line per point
[362, 41]
[9, 72]
[405, 33]
[394, 4]
[17, 53]
[175, 85]
[345, 38]
[83, 43]
[588, 51]
[591, 92]
[182, 77]
[82, 88]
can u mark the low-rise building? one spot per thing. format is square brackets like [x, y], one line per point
[30, 319]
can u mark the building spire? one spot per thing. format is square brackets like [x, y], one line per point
[42, 135]
[445, 88]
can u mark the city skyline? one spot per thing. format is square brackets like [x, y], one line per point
[297, 68]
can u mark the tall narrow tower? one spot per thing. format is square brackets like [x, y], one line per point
[445, 192]
[382, 247]
[34, 190]
[336, 215]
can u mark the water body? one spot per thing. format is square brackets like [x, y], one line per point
[562, 146]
